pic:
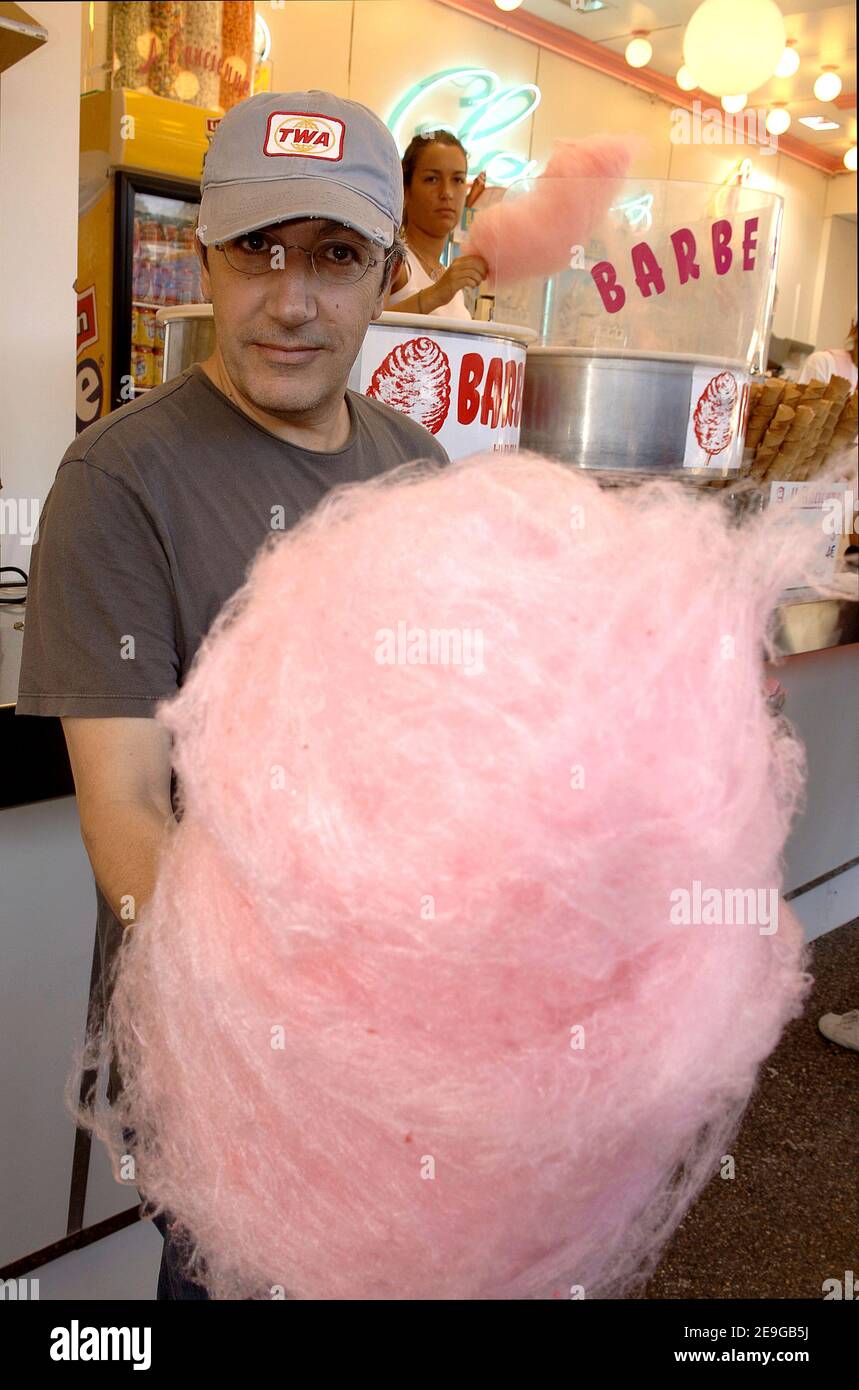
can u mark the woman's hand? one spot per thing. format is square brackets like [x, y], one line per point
[466, 273]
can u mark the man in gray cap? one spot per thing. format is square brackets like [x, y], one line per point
[307, 176]
[157, 510]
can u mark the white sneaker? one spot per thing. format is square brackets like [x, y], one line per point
[841, 1028]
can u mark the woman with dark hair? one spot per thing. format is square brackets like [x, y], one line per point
[434, 194]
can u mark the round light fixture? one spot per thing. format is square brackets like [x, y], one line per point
[788, 63]
[508, 4]
[850, 159]
[778, 120]
[734, 45]
[638, 51]
[685, 79]
[734, 103]
[828, 85]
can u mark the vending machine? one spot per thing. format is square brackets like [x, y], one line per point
[141, 163]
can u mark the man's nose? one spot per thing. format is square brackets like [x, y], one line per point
[292, 285]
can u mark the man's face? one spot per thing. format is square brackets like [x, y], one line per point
[259, 317]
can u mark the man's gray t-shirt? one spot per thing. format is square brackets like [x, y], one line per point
[152, 522]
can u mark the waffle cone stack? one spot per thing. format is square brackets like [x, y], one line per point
[794, 431]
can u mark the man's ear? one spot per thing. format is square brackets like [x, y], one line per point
[388, 274]
[202, 254]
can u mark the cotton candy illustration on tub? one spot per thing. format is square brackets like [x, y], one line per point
[714, 414]
[534, 233]
[410, 1015]
[415, 378]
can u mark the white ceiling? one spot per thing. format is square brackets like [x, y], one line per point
[825, 33]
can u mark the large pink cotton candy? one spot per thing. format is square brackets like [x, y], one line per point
[408, 1017]
[533, 233]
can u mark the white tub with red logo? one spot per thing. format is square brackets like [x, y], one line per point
[462, 381]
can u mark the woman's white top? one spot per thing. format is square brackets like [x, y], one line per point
[822, 366]
[419, 280]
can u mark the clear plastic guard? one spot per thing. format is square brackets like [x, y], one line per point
[669, 268]
[651, 300]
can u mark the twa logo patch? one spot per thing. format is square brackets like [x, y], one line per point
[308, 135]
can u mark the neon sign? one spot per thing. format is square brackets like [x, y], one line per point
[489, 110]
[637, 211]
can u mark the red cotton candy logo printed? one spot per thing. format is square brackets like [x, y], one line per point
[714, 413]
[415, 379]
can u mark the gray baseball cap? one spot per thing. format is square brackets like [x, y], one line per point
[287, 155]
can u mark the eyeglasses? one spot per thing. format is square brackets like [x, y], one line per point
[336, 262]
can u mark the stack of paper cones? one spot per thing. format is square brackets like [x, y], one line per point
[844, 432]
[794, 430]
[788, 457]
[762, 408]
[772, 441]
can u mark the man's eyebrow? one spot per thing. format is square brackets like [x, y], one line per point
[322, 225]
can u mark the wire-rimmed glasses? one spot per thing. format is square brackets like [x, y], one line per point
[335, 259]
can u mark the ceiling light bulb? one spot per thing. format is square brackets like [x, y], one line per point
[828, 85]
[685, 79]
[778, 120]
[734, 103]
[734, 45]
[788, 63]
[638, 52]
[850, 159]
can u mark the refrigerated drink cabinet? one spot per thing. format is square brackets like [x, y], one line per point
[141, 162]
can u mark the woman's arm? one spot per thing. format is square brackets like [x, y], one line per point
[420, 303]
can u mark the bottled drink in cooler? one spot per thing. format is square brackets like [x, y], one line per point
[186, 281]
[141, 277]
[160, 282]
[169, 277]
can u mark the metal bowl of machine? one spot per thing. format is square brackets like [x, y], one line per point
[189, 336]
[635, 412]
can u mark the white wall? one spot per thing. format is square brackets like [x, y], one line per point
[39, 122]
[837, 283]
[841, 195]
[804, 193]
